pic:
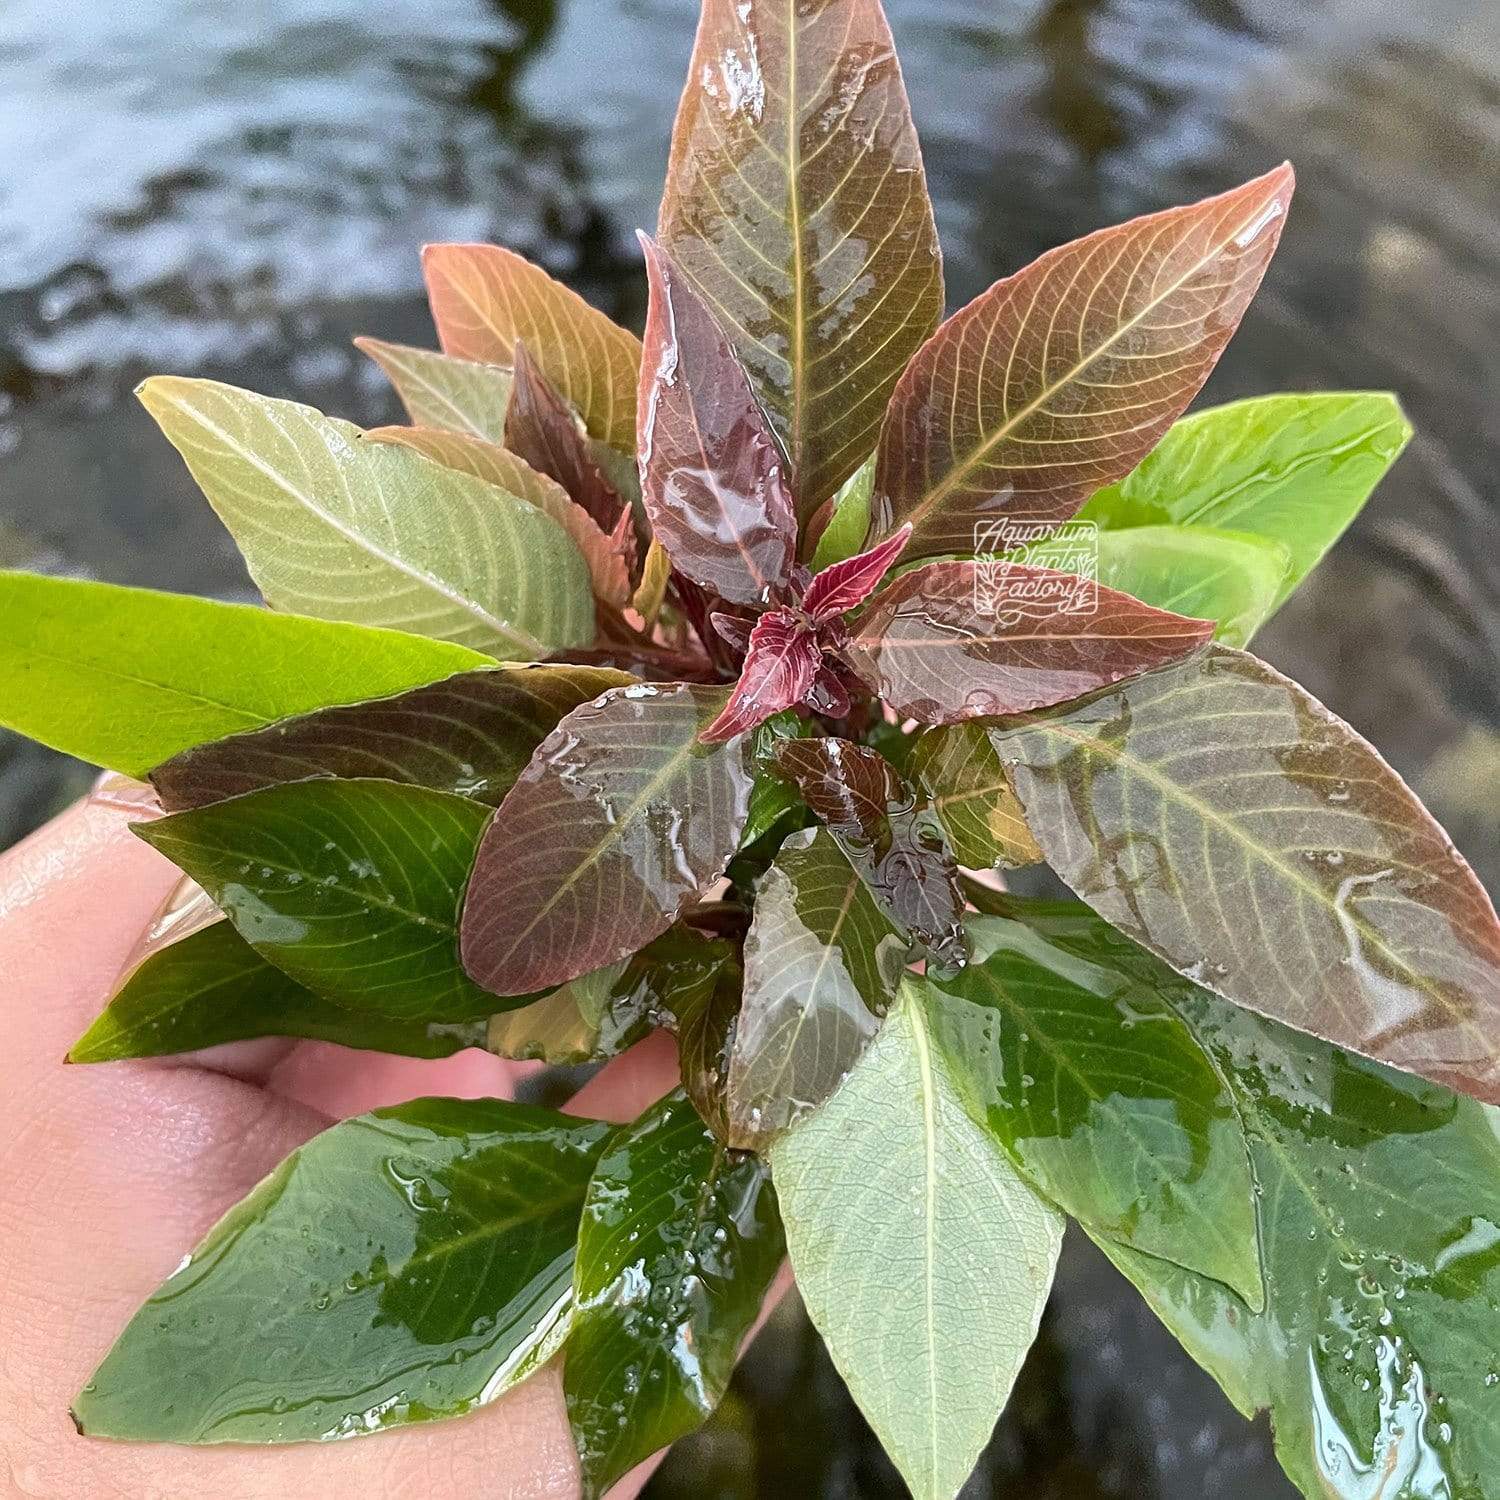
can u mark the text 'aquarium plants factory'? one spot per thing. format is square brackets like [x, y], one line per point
[710, 682]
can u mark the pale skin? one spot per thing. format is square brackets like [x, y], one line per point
[109, 1172]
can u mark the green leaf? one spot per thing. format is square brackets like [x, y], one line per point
[438, 391]
[1378, 1352]
[471, 734]
[772, 796]
[679, 1242]
[1231, 578]
[697, 982]
[335, 526]
[957, 767]
[405, 1265]
[601, 1013]
[822, 963]
[923, 1257]
[1219, 815]
[604, 555]
[213, 987]
[1093, 1084]
[849, 521]
[1293, 468]
[128, 677]
[351, 887]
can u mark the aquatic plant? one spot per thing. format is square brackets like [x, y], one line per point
[705, 683]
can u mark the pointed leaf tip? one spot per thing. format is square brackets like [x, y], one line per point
[485, 298]
[1062, 377]
[781, 664]
[796, 201]
[712, 476]
[846, 585]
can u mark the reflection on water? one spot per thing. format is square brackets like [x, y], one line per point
[236, 190]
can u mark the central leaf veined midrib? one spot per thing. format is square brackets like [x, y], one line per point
[615, 831]
[517, 637]
[1064, 1062]
[794, 228]
[929, 1128]
[1173, 790]
[828, 948]
[961, 470]
[446, 401]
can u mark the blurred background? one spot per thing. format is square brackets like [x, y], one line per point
[234, 191]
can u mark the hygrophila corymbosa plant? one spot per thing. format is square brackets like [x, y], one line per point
[696, 683]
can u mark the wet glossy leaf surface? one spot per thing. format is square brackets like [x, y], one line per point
[782, 659]
[712, 476]
[922, 1256]
[351, 887]
[1061, 378]
[679, 1241]
[772, 797]
[594, 1016]
[622, 818]
[485, 299]
[213, 987]
[1100, 1094]
[1233, 579]
[849, 522]
[128, 677]
[965, 640]
[404, 1265]
[338, 527]
[1222, 817]
[822, 963]
[845, 585]
[1292, 468]
[471, 734]
[1378, 1204]
[705, 1016]
[601, 1013]
[605, 558]
[967, 788]
[443, 393]
[888, 834]
[542, 429]
[796, 203]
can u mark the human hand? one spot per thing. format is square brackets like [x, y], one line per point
[107, 1174]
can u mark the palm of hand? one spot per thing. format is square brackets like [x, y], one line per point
[108, 1174]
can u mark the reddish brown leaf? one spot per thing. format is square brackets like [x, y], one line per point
[846, 585]
[796, 203]
[1061, 378]
[621, 819]
[472, 734]
[892, 839]
[781, 662]
[544, 432]
[485, 300]
[605, 554]
[1219, 815]
[711, 472]
[948, 642]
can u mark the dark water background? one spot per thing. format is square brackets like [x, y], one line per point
[234, 190]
